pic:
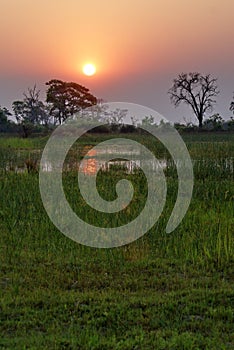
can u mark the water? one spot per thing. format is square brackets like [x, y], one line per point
[94, 161]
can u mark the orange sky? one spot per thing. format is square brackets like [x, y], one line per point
[138, 46]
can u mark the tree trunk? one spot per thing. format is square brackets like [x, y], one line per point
[25, 132]
[200, 121]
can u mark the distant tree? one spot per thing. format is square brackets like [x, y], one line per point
[21, 118]
[115, 118]
[232, 105]
[35, 109]
[96, 113]
[30, 111]
[19, 111]
[179, 126]
[214, 122]
[5, 123]
[197, 91]
[4, 114]
[67, 99]
[147, 121]
[230, 123]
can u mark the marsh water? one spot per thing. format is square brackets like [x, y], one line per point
[23, 161]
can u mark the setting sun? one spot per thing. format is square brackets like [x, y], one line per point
[89, 69]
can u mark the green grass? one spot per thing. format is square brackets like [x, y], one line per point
[164, 291]
[22, 143]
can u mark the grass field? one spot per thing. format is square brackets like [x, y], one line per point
[164, 291]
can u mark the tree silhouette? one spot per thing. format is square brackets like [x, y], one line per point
[67, 99]
[197, 91]
[35, 110]
[30, 111]
[232, 105]
[4, 114]
[5, 123]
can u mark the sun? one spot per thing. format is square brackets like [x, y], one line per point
[89, 69]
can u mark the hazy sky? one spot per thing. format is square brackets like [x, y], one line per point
[138, 48]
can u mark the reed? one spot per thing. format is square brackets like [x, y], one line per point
[165, 291]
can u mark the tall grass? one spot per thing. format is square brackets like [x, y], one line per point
[204, 236]
[163, 291]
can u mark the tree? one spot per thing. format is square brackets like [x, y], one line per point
[30, 111]
[197, 91]
[35, 109]
[4, 114]
[232, 106]
[116, 117]
[215, 122]
[5, 123]
[147, 121]
[67, 99]
[21, 117]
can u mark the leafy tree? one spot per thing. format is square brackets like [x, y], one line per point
[4, 114]
[67, 99]
[147, 120]
[214, 122]
[21, 118]
[115, 118]
[5, 123]
[197, 91]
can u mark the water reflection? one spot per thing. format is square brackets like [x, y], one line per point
[89, 166]
[92, 165]
[93, 161]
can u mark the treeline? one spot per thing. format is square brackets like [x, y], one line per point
[64, 99]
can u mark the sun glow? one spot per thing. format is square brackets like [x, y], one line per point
[89, 69]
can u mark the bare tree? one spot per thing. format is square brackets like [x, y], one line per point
[197, 91]
[35, 109]
[30, 111]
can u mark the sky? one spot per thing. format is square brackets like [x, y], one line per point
[138, 48]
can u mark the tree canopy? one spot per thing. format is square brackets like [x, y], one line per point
[67, 98]
[5, 123]
[4, 114]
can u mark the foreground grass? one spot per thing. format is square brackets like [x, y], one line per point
[161, 292]
[154, 304]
